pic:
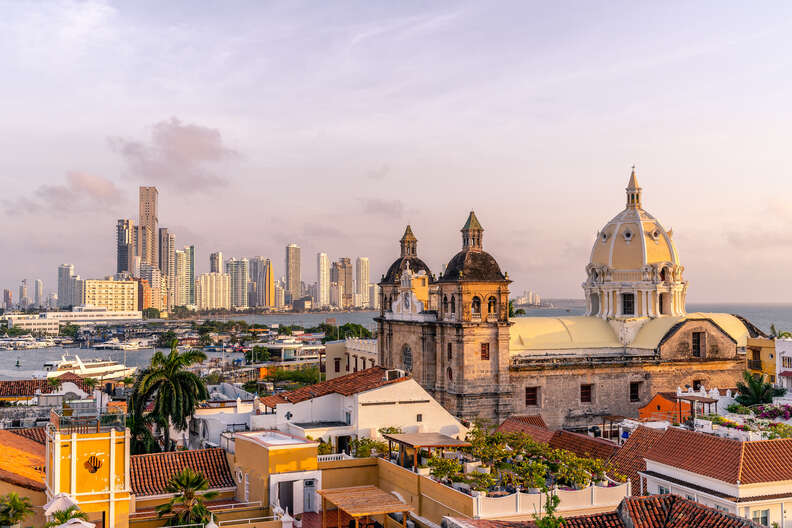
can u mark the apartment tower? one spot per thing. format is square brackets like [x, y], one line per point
[148, 247]
[65, 274]
[239, 270]
[126, 242]
[216, 262]
[362, 280]
[293, 278]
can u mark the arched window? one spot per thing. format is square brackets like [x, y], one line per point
[476, 306]
[453, 304]
[664, 274]
[492, 305]
[450, 374]
[407, 357]
[445, 303]
[449, 351]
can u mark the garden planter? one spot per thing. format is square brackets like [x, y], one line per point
[423, 471]
[602, 483]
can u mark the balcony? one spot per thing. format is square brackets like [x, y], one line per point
[755, 364]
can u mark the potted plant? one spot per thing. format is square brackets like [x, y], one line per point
[444, 469]
[534, 476]
[480, 482]
[13, 509]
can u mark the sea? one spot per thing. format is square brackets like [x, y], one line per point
[31, 362]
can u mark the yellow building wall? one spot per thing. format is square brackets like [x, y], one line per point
[347, 473]
[766, 350]
[286, 460]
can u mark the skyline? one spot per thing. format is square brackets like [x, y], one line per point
[336, 128]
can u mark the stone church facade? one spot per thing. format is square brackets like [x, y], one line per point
[453, 333]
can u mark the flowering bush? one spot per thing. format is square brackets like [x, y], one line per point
[720, 420]
[771, 412]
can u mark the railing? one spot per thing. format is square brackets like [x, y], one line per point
[252, 520]
[755, 364]
[235, 505]
[334, 457]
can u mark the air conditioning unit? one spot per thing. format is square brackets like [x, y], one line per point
[394, 374]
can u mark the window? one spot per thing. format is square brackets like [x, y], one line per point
[450, 374]
[761, 517]
[772, 379]
[407, 357]
[585, 393]
[696, 385]
[485, 351]
[337, 364]
[356, 364]
[348, 418]
[690, 498]
[347, 362]
[662, 490]
[756, 355]
[371, 362]
[453, 304]
[628, 304]
[635, 391]
[492, 305]
[698, 343]
[419, 418]
[721, 508]
[786, 362]
[445, 303]
[531, 396]
[476, 306]
[449, 351]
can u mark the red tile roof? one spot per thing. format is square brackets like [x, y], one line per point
[37, 434]
[584, 445]
[513, 422]
[629, 459]
[723, 458]
[29, 387]
[537, 434]
[150, 474]
[361, 381]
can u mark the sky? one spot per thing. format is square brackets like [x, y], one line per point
[334, 124]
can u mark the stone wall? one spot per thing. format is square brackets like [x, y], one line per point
[717, 344]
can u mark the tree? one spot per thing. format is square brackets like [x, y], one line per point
[54, 383]
[15, 331]
[174, 390]
[779, 334]
[444, 468]
[259, 353]
[69, 330]
[64, 516]
[754, 390]
[165, 340]
[548, 519]
[13, 509]
[141, 438]
[205, 339]
[151, 313]
[187, 506]
[91, 383]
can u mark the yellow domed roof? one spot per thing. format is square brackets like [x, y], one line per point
[633, 238]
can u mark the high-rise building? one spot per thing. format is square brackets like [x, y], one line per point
[52, 300]
[38, 293]
[374, 297]
[154, 278]
[280, 296]
[167, 265]
[216, 262]
[322, 280]
[213, 291]
[8, 299]
[148, 246]
[115, 296]
[144, 293]
[65, 274]
[293, 278]
[262, 277]
[341, 274]
[24, 301]
[181, 294]
[362, 279]
[189, 252]
[239, 270]
[126, 242]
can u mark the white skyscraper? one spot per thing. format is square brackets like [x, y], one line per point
[181, 294]
[65, 274]
[239, 270]
[38, 293]
[213, 291]
[362, 279]
[322, 280]
[152, 274]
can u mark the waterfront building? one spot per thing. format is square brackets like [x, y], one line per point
[8, 299]
[167, 266]
[189, 253]
[454, 334]
[213, 291]
[52, 300]
[181, 295]
[293, 277]
[280, 296]
[65, 274]
[374, 296]
[126, 245]
[335, 295]
[151, 274]
[144, 294]
[239, 271]
[50, 322]
[362, 281]
[322, 280]
[216, 262]
[38, 293]
[341, 275]
[115, 296]
[148, 243]
[24, 301]
[262, 279]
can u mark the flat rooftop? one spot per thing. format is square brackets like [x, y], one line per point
[320, 425]
[273, 438]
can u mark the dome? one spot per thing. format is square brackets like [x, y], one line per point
[400, 264]
[472, 263]
[633, 239]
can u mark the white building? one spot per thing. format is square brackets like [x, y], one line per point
[65, 294]
[38, 293]
[238, 269]
[322, 280]
[374, 296]
[783, 348]
[50, 322]
[349, 355]
[114, 295]
[362, 280]
[213, 291]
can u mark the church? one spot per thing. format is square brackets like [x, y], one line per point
[453, 332]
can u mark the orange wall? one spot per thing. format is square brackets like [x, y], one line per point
[661, 408]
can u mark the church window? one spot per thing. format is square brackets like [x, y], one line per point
[337, 364]
[627, 235]
[407, 357]
[450, 348]
[450, 374]
[445, 303]
[419, 417]
[635, 391]
[664, 274]
[485, 351]
[696, 385]
[628, 304]
[531, 396]
[492, 305]
[585, 393]
[604, 237]
[476, 306]
[453, 304]
[698, 343]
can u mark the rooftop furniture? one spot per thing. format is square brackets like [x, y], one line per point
[361, 502]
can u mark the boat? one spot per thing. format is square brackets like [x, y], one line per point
[101, 369]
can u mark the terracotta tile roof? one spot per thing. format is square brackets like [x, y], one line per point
[584, 445]
[22, 463]
[596, 520]
[723, 458]
[513, 422]
[629, 459]
[37, 434]
[150, 473]
[537, 434]
[361, 381]
[29, 387]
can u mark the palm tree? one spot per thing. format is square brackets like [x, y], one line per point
[779, 334]
[91, 383]
[174, 390]
[128, 382]
[755, 390]
[64, 516]
[187, 506]
[142, 440]
[54, 383]
[13, 509]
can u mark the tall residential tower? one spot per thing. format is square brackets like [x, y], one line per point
[148, 247]
[322, 280]
[293, 286]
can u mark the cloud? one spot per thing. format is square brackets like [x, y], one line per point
[379, 174]
[178, 155]
[375, 206]
[80, 192]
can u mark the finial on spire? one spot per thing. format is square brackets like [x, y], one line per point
[633, 191]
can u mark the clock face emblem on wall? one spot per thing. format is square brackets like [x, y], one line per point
[93, 464]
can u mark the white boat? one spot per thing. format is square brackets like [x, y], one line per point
[101, 369]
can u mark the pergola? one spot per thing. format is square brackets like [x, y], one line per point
[417, 441]
[693, 400]
[362, 501]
